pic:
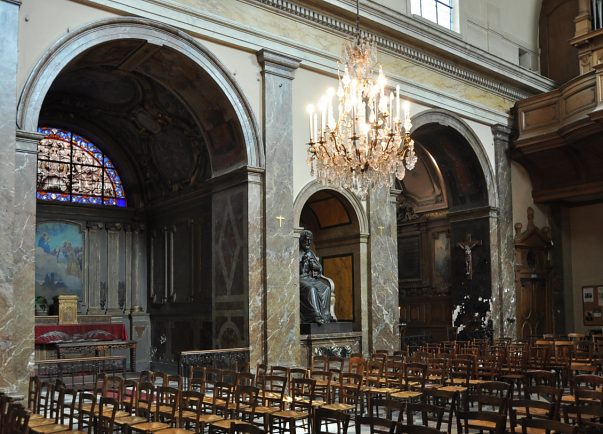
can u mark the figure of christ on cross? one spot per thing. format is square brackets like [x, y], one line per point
[467, 245]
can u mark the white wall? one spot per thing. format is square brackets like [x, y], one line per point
[586, 227]
[522, 199]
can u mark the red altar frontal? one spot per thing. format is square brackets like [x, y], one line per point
[53, 333]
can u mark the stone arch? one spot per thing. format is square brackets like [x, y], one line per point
[448, 119]
[76, 42]
[314, 187]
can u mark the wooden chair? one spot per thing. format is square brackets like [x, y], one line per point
[137, 404]
[323, 417]
[41, 426]
[245, 428]
[32, 393]
[167, 404]
[375, 425]
[246, 398]
[107, 410]
[490, 421]
[271, 398]
[16, 420]
[260, 371]
[300, 409]
[446, 399]
[547, 426]
[70, 417]
[428, 412]
[319, 363]
[322, 387]
[189, 410]
[416, 429]
[520, 409]
[349, 395]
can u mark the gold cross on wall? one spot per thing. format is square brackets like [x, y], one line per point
[280, 219]
[381, 229]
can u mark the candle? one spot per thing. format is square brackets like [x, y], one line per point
[397, 103]
[315, 125]
[310, 110]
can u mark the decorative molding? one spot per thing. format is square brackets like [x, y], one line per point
[413, 54]
[278, 64]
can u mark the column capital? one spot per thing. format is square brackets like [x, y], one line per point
[276, 63]
[501, 133]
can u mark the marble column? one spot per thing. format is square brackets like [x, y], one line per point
[503, 281]
[16, 291]
[282, 275]
[383, 265]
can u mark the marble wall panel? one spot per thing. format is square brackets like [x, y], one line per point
[282, 275]
[229, 247]
[382, 308]
[503, 282]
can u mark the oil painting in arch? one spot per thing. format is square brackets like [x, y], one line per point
[59, 258]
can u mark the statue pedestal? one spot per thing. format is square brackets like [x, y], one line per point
[331, 339]
[327, 328]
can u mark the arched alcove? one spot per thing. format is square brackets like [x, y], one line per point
[446, 199]
[180, 131]
[340, 227]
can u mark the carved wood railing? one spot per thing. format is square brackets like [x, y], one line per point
[81, 371]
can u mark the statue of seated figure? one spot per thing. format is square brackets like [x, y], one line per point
[316, 290]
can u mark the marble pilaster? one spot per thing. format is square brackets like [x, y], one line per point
[282, 286]
[503, 281]
[24, 250]
[16, 329]
[255, 260]
[383, 266]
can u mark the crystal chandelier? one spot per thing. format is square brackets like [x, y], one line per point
[362, 140]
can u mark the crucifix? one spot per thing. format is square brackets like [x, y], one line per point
[467, 245]
[280, 219]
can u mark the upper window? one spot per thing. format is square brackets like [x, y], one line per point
[72, 169]
[438, 11]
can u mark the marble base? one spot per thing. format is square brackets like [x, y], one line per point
[334, 344]
[328, 328]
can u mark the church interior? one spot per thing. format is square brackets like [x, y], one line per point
[171, 199]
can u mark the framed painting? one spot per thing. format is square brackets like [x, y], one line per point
[59, 260]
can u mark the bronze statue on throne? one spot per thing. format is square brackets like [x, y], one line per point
[315, 289]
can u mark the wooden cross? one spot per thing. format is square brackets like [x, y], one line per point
[467, 245]
[280, 219]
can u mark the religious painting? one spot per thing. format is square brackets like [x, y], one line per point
[59, 259]
[341, 270]
[441, 260]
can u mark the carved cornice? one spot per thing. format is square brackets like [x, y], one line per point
[407, 52]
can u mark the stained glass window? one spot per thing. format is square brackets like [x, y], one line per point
[72, 169]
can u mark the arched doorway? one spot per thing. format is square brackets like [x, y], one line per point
[339, 224]
[445, 291]
[181, 134]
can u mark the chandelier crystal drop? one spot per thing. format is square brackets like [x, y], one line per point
[359, 140]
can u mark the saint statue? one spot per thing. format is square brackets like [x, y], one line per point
[315, 289]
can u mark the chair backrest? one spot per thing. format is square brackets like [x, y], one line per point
[195, 373]
[279, 370]
[415, 376]
[86, 411]
[128, 397]
[324, 417]
[273, 391]
[45, 395]
[175, 381]
[494, 394]
[260, 371]
[416, 429]
[107, 410]
[531, 408]
[114, 387]
[144, 400]
[190, 409]
[320, 363]
[147, 376]
[99, 384]
[349, 388]
[212, 376]
[551, 395]
[68, 412]
[230, 376]
[498, 421]
[428, 412]
[246, 400]
[375, 425]
[245, 428]
[322, 387]
[356, 365]
[302, 393]
[32, 393]
[167, 401]
[548, 426]
[246, 379]
[222, 396]
[335, 364]
[17, 419]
